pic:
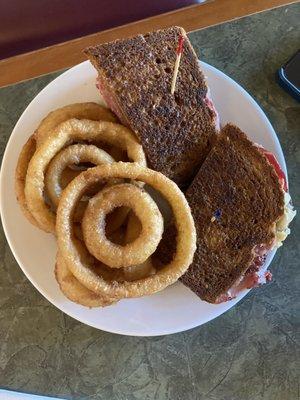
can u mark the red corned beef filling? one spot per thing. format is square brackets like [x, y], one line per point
[110, 100]
[273, 160]
[210, 104]
[253, 277]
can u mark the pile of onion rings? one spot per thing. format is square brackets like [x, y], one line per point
[69, 182]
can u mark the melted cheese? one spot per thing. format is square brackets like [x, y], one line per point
[282, 225]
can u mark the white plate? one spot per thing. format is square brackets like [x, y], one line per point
[176, 308]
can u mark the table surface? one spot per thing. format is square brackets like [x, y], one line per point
[67, 54]
[28, 26]
[248, 353]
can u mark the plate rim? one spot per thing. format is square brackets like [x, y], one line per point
[53, 301]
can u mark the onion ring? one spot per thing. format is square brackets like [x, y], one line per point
[20, 177]
[74, 154]
[70, 131]
[92, 111]
[74, 290]
[186, 238]
[93, 226]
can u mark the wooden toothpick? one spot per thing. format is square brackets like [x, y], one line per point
[177, 62]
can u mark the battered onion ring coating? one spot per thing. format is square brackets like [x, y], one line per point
[73, 289]
[186, 238]
[91, 111]
[74, 154]
[71, 131]
[93, 226]
[20, 177]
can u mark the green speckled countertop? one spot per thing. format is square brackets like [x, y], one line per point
[251, 352]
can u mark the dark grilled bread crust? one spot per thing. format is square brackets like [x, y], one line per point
[237, 179]
[175, 130]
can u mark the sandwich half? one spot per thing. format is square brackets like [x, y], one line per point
[242, 210]
[134, 78]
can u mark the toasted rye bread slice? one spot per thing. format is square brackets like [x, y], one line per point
[239, 185]
[237, 180]
[135, 78]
